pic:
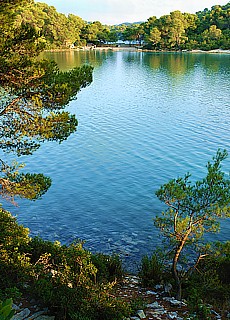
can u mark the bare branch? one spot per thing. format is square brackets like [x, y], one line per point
[9, 106]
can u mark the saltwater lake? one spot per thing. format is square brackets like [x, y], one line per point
[146, 118]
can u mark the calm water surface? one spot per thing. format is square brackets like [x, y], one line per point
[146, 118]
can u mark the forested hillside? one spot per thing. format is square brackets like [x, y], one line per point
[207, 29]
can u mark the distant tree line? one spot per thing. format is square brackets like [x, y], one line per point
[206, 30]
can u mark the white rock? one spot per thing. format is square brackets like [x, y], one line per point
[22, 315]
[151, 292]
[158, 312]
[141, 314]
[174, 302]
[216, 314]
[172, 315]
[36, 315]
[154, 305]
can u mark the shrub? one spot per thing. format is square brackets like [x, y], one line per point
[62, 277]
[6, 311]
[152, 270]
[198, 309]
[14, 265]
[12, 234]
[209, 282]
[109, 268]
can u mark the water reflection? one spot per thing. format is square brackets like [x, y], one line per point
[146, 118]
[173, 64]
[69, 59]
[181, 63]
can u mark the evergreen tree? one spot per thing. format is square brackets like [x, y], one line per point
[193, 209]
[33, 96]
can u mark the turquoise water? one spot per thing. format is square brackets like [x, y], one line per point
[146, 118]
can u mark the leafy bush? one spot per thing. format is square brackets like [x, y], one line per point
[6, 311]
[152, 269]
[109, 268]
[14, 264]
[198, 309]
[12, 234]
[71, 281]
[209, 282]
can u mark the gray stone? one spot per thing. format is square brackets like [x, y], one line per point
[158, 286]
[22, 315]
[158, 312]
[141, 314]
[174, 302]
[15, 307]
[216, 314]
[151, 292]
[172, 315]
[36, 315]
[154, 305]
[132, 279]
[45, 318]
[135, 318]
[168, 287]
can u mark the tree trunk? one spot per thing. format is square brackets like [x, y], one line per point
[174, 266]
[175, 274]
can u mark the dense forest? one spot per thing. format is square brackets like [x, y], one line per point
[206, 30]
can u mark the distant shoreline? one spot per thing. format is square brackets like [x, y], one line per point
[136, 49]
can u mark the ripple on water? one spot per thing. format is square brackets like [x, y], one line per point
[145, 119]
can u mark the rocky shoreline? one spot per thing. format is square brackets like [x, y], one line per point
[158, 304]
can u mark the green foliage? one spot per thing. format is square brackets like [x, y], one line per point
[32, 97]
[137, 304]
[13, 183]
[205, 30]
[198, 309]
[193, 210]
[62, 277]
[109, 268]
[12, 234]
[152, 270]
[208, 29]
[210, 280]
[11, 292]
[65, 279]
[6, 311]
[14, 264]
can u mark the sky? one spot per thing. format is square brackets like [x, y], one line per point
[118, 11]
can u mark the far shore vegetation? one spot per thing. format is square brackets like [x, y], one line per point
[206, 30]
[71, 281]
